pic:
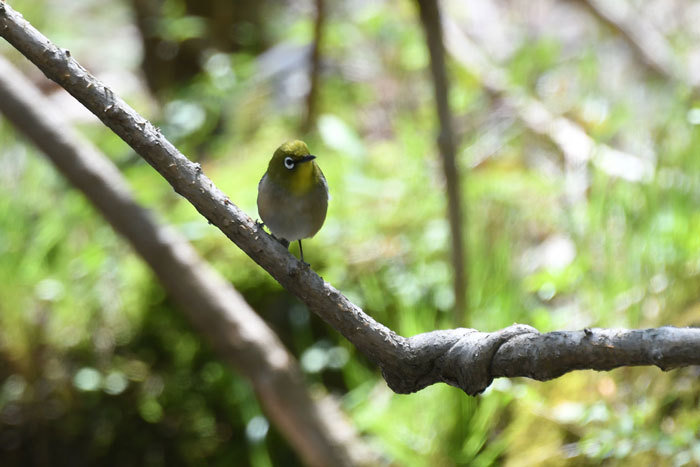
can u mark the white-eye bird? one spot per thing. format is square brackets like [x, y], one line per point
[293, 195]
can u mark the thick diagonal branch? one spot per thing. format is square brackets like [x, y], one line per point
[218, 311]
[461, 357]
[187, 178]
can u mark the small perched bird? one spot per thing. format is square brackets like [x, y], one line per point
[293, 195]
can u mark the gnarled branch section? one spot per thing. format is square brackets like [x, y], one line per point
[470, 360]
[464, 358]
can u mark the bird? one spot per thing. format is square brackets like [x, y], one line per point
[293, 195]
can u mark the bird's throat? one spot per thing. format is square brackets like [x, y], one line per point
[302, 179]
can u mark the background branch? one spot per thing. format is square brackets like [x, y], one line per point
[314, 68]
[216, 309]
[649, 44]
[461, 357]
[432, 26]
[577, 147]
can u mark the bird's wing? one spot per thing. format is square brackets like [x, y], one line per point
[325, 184]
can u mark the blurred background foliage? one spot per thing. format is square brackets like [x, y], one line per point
[97, 367]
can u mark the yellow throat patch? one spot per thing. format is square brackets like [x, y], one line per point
[301, 179]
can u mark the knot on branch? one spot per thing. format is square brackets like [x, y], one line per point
[467, 364]
[459, 357]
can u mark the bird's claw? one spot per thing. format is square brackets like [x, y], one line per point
[298, 267]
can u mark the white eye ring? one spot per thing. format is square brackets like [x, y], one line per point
[289, 163]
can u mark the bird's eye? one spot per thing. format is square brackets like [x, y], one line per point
[289, 163]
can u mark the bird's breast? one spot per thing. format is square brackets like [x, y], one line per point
[291, 215]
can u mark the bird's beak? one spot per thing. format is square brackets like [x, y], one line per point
[306, 159]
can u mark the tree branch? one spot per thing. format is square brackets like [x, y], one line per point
[216, 309]
[432, 26]
[577, 147]
[650, 45]
[314, 67]
[465, 358]
[188, 179]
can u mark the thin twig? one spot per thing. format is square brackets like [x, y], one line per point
[464, 358]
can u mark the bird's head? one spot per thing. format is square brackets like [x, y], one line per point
[292, 167]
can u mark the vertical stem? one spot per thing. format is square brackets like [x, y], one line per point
[432, 25]
[315, 68]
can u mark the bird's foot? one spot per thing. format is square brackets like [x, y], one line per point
[298, 267]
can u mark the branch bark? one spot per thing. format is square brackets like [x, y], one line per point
[465, 358]
[432, 26]
[216, 309]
